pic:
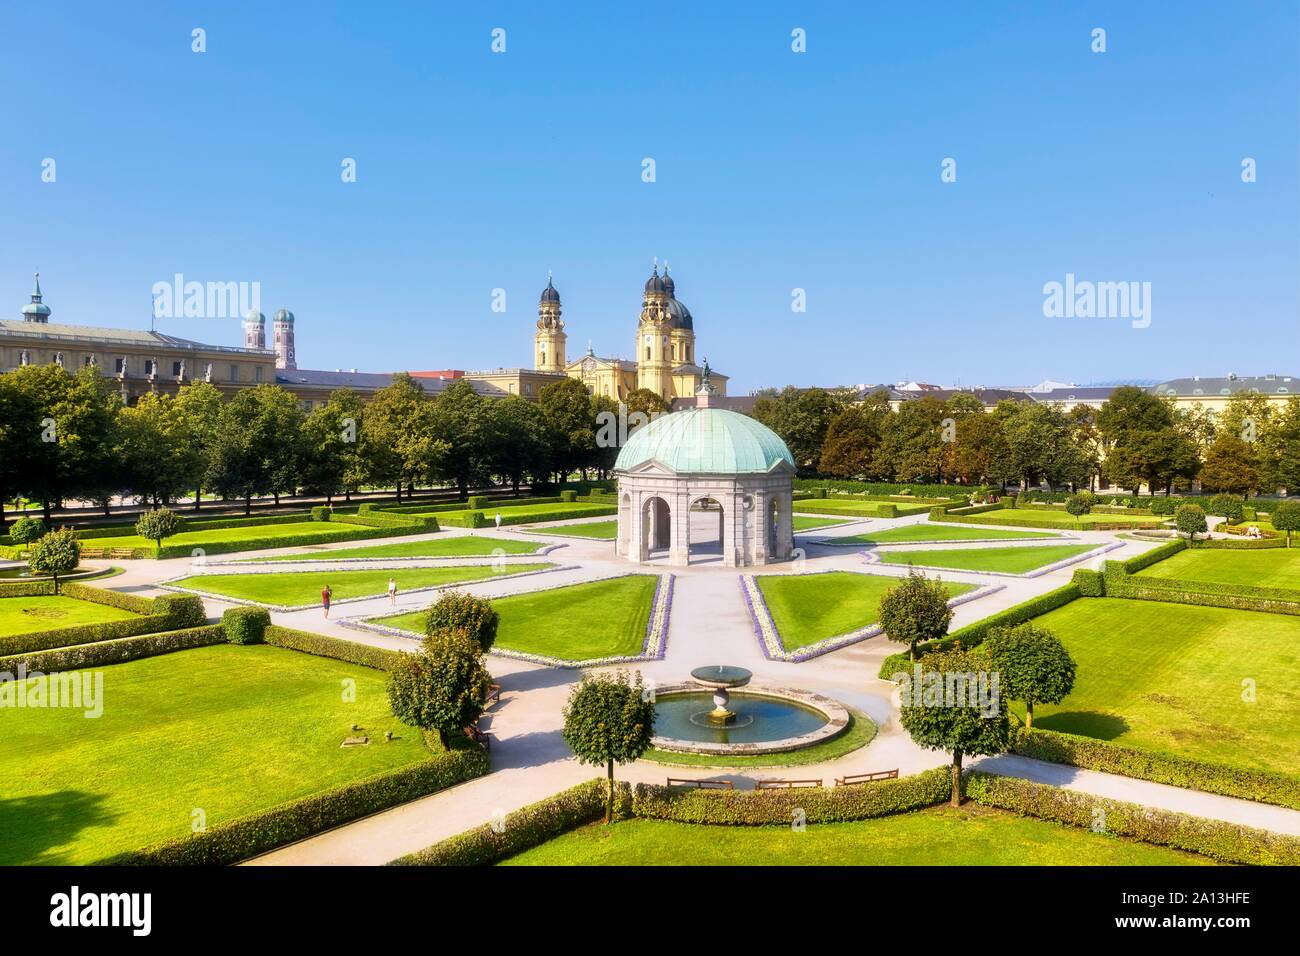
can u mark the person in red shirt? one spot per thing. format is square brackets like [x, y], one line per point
[325, 594]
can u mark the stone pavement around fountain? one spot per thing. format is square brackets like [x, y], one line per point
[710, 624]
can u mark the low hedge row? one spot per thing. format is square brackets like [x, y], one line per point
[477, 519]
[1017, 521]
[1242, 544]
[1226, 842]
[1154, 556]
[1107, 757]
[191, 524]
[380, 658]
[396, 523]
[884, 487]
[870, 509]
[245, 625]
[973, 634]
[362, 532]
[1171, 593]
[166, 613]
[524, 829]
[767, 807]
[27, 589]
[484, 502]
[103, 653]
[226, 843]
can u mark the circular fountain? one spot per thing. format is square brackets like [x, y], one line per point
[744, 718]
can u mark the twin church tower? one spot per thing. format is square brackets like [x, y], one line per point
[664, 354]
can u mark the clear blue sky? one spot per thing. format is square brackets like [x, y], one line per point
[775, 171]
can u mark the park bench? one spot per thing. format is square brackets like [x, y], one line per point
[701, 784]
[852, 778]
[785, 784]
[494, 694]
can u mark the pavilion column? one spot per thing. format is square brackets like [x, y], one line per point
[680, 551]
[759, 532]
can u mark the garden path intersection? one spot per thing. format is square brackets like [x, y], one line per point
[709, 624]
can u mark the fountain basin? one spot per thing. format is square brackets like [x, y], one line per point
[763, 720]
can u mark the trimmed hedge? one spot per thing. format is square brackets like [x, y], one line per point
[236, 840]
[1091, 754]
[1243, 544]
[166, 613]
[965, 516]
[321, 513]
[772, 807]
[477, 519]
[117, 651]
[973, 634]
[27, 589]
[191, 524]
[366, 655]
[245, 625]
[366, 529]
[1226, 842]
[1090, 583]
[524, 829]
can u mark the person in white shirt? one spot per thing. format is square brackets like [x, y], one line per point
[392, 590]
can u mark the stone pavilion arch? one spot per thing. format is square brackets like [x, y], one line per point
[705, 485]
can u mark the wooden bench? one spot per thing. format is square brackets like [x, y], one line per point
[494, 694]
[785, 784]
[849, 779]
[702, 784]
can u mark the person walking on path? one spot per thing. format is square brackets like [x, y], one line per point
[325, 594]
[392, 591]
[498, 521]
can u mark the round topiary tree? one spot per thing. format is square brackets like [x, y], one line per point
[1078, 505]
[951, 705]
[1286, 517]
[915, 611]
[1032, 665]
[458, 610]
[159, 524]
[1226, 506]
[1163, 506]
[26, 530]
[442, 688]
[58, 552]
[1190, 520]
[609, 719]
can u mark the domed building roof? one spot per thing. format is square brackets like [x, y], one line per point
[255, 317]
[36, 310]
[549, 294]
[654, 283]
[679, 315]
[670, 286]
[284, 315]
[706, 441]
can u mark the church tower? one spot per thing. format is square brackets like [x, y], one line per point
[681, 326]
[548, 343]
[653, 355]
[285, 355]
[36, 310]
[255, 331]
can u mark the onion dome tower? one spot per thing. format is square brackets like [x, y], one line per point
[285, 355]
[36, 310]
[548, 341]
[255, 330]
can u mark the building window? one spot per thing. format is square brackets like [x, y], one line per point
[234, 373]
[257, 373]
[150, 366]
[119, 366]
[176, 368]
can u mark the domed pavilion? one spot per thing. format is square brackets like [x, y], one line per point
[705, 484]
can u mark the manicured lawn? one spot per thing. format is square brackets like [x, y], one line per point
[861, 507]
[809, 522]
[1169, 677]
[227, 730]
[938, 532]
[860, 732]
[812, 607]
[315, 531]
[1269, 568]
[1062, 519]
[520, 514]
[1006, 560]
[304, 587]
[462, 546]
[574, 623]
[25, 615]
[970, 836]
[605, 530]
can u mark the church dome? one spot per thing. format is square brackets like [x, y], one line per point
[36, 310]
[670, 286]
[284, 315]
[679, 316]
[706, 441]
[257, 318]
[549, 295]
[654, 283]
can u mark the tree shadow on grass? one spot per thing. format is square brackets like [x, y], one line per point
[36, 830]
[1084, 723]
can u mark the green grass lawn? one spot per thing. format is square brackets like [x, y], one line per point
[461, 546]
[315, 531]
[227, 730]
[1169, 677]
[860, 732]
[26, 615]
[303, 587]
[808, 608]
[1006, 560]
[605, 530]
[1062, 519]
[525, 513]
[809, 522]
[938, 532]
[969, 836]
[860, 507]
[574, 623]
[1268, 568]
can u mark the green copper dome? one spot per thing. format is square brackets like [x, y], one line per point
[706, 441]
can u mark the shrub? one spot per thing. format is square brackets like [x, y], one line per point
[245, 625]
[226, 843]
[321, 513]
[1227, 506]
[476, 502]
[459, 610]
[103, 653]
[181, 610]
[1108, 757]
[159, 524]
[26, 530]
[568, 496]
[1090, 583]
[1227, 842]
[1163, 506]
[443, 688]
[366, 655]
[55, 553]
[522, 830]
[1034, 665]
[1080, 504]
[819, 492]
[1190, 520]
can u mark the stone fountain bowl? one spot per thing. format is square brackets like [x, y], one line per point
[836, 721]
[721, 675]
